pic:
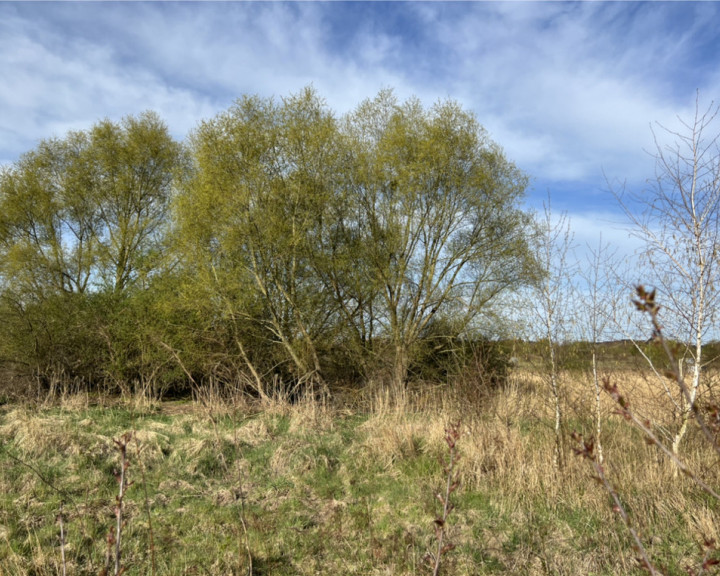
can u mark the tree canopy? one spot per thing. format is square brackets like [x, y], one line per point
[280, 243]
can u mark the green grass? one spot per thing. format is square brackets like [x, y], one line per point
[317, 493]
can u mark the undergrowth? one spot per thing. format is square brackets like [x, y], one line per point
[311, 489]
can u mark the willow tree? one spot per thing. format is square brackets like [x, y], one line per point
[88, 209]
[438, 213]
[248, 222]
[81, 216]
[312, 233]
[134, 167]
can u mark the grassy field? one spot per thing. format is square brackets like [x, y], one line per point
[245, 488]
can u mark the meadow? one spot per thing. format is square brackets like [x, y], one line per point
[231, 485]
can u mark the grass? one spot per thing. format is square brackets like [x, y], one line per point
[313, 489]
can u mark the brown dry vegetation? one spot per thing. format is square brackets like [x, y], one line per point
[237, 487]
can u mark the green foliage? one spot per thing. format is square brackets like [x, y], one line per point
[331, 245]
[437, 211]
[250, 220]
[81, 231]
[471, 361]
[285, 249]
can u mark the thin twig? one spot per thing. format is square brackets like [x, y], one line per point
[586, 449]
[452, 434]
[147, 506]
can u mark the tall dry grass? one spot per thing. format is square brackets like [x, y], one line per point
[507, 448]
[516, 512]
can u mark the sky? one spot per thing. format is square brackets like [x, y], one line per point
[570, 90]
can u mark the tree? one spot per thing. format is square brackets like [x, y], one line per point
[680, 227]
[437, 211]
[251, 219]
[552, 301]
[134, 167]
[88, 210]
[47, 222]
[351, 234]
[81, 216]
[599, 304]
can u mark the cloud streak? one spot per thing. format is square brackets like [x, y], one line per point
[568, 89]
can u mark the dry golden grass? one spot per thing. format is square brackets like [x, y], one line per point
[365, 482]
[253, 433]
[310, 416]
[516, 464]
[34, 434]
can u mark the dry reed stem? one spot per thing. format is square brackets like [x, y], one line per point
[452, 435]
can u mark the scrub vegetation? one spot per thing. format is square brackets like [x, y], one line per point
[269, 487]
[305, 343]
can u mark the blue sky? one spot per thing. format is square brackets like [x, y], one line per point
[569, 90]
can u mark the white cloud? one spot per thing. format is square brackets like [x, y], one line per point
[59, 86]
[568, 89]
[187, 63]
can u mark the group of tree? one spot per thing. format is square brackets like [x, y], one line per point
[674, 277]
[283, 247]
[280, 245]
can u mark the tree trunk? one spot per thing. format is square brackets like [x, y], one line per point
[598, 420]
[400, 368]
[687, 403]
[259, 387]
[559, 456]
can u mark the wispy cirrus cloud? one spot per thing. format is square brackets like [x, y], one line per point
[571, 88]
[568, 89]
